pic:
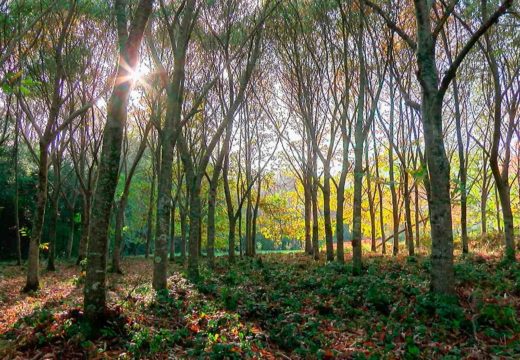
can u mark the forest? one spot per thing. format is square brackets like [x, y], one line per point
[259, 179]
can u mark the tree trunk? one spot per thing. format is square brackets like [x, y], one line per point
[195, 215]
[183, 234]
[121, 208]
[326, 214]
[497, 207]
[33, 261]
[231, 239]
[85, 225]
[307, 215]
[70, 241]
[95, 282]
[170, 132]
[17, 197]
[501, 176]
[149, 217]
[442, 273]
[212, 198]
[240, 248]
[249, 215]
[315, 229]
[371, 206]
[358, 158]
[51, 266]
[172, 232]
[118, 238]
[393, 192]
[340, 200]
[380, 196]
[416, 204]
[462, 172]
[255, 213]
[483, 211]
[440, 205]
[408, 212]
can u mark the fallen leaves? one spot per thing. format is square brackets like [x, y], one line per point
[282, 307]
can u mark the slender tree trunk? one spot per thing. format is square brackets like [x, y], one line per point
[17, 197]
[416, 204]
[255, 213]
[380, 196]
[118, 238]
[172, 232]
[326, 214]
[164, 187]
[408, 212]
[497, 207]
[199, 236]
[121, 208]
[371, 206]
[241, 250]
[393, 192]
[212, 198]
[229, 207]
[358, 159]
[85, 225]
[170, 132]
[340, 201]
[315, 228]
[307, 215]
[70, 241]
[95, 282]
[249, 215]
[501, 176]
[195, 215]
[483, 211]
[33, 261]
[149, 217]
[462, 171]
[183, 234]
[356, 218]
[53, 223]
[231, 239]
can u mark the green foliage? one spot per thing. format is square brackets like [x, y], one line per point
[147, 342]
[229, 297]
[499, 316]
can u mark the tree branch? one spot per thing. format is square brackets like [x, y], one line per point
[452, 70]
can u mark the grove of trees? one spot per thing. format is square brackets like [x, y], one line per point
[189, 130]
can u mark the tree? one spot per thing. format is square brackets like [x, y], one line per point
[432, 93]
[129, 41]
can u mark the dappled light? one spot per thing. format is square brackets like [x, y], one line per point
[259, 179]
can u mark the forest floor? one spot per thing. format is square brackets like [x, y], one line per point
[277, 306]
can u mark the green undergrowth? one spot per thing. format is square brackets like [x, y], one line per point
[289, 306]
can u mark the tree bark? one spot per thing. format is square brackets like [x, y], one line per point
[380, 196]
[408, 212]
[149, 217]
[170, 133]
[326, 213]
[33, 260]
[129, 42]
[172, 230]
[51, 266]
[371, 206]
[85, 226]
[307, 215]
[17, 195]
[501, 176]
[393, 192]
[358, 158]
